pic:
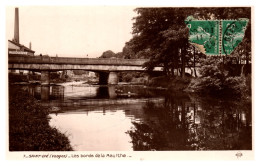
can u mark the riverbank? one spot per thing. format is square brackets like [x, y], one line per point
[235, 87]
[173, 84]
[29, 128]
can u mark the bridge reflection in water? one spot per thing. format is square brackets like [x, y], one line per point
[109, 118]
[57, 92]
[45, 93]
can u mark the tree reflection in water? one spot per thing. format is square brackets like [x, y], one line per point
[190, 123]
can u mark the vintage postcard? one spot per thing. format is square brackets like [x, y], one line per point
[129, 83]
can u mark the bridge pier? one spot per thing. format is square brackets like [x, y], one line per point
[103, 76]
[112, 78]
[45, 77]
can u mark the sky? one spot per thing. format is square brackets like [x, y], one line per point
[73, 31]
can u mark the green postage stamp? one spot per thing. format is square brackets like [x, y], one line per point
[216, 37]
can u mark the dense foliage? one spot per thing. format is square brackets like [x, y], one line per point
[217, 79]
[161, 35]
[29, 128]
[111, 54]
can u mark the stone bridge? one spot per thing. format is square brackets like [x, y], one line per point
[107, 68]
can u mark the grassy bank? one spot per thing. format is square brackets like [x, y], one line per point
[29, 128]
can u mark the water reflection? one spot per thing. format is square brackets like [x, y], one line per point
[45, 93]
[139, 118]
[95, 130]
[82, 92]
[186, 123]
[58, 92]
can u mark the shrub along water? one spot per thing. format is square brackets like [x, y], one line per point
[216, 80]
[29, 128]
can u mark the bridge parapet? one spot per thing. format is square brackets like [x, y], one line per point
[75, 61]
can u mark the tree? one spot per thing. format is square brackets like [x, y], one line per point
[119, 55]
[161, 34]
[111, 54]
[130, 53]
[108, 54]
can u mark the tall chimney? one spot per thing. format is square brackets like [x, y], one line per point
[16, 26]
[30, 45]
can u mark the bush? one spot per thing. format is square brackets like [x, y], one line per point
[127, 77]
[29, 128]
[205, 85]
[234, 85]
[215, 79]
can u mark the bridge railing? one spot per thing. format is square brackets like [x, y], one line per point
[65, 60]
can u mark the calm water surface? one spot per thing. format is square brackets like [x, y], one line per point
[128, 117]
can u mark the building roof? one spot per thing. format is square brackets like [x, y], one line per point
[22, 46]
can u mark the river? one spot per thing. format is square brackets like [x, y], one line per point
[139, 118]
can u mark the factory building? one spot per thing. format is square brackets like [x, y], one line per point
[18, 49]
